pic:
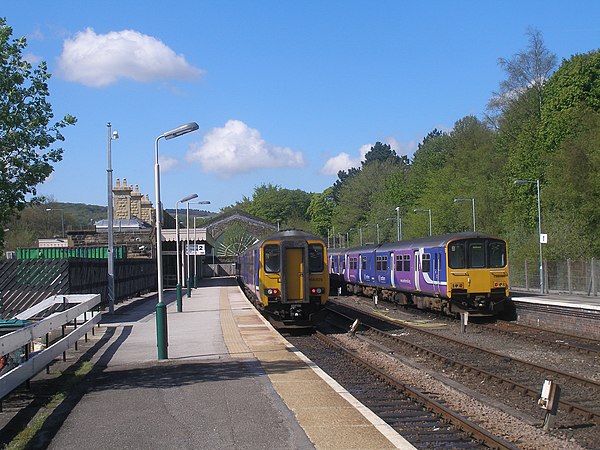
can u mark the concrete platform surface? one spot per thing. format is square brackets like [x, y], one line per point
[231, 382]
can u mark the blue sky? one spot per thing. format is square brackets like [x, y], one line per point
[284, 92]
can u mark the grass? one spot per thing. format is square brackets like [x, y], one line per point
[65, 384]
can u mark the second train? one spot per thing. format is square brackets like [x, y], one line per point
[452, 273]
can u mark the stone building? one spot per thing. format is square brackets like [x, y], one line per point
[130, 203]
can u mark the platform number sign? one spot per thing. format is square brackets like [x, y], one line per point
[195, 249]
[543, 238]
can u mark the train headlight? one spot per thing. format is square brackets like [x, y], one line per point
[317, 291]
[458, 285]
[272, 291]
[499, 284]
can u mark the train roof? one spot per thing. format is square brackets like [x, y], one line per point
[289, 234]
[429, 241]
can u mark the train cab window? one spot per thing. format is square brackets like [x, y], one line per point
[426, 263]
[315, 258]
[272, 258]
[476, 255]
[496, 254]
[456, 255]
[406, 263]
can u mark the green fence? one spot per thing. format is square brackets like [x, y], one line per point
[120, 252]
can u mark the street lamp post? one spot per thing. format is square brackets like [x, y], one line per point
[62, 218]
[161, 307]
[110, 136]
[178, 289]
[189, 275]
[472, 200]
[537, 183]
[427, 211]
[195, 255]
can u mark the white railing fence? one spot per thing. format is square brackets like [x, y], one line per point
[79, 315]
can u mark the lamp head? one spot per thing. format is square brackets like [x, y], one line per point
[115, 135]
[181, 130]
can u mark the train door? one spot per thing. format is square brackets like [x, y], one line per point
[294, 274]
[392, 268]
[417, 271]
[436, 273]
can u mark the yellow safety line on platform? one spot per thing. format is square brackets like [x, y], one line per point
[233, 339]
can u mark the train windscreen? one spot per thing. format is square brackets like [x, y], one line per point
[477, 254]
[272, 258]
[315, 258]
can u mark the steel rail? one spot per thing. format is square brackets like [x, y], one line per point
[566, 405]
[475, 431]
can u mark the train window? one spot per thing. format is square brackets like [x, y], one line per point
[315, 258]
[363, 263]
[272, 258]
[476, 255]
[426, 263]
[382, 263]
[406, 263]
[456, 255]
[496, 254]
[399, 263]
[353, 263]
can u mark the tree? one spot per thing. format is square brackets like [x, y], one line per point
[26, 133]
[528, 69]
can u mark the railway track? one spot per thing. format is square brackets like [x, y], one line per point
[423, 421]
[551, 338]
[580, 395]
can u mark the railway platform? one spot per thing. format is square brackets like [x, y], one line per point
[231, 382]
[567, 313]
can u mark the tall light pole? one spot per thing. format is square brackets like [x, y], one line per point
[427, 211]
[398, 224]
[537, 183]
[62, 218]
[189, 285]
[161, 307]
[472, 200]
[110, 136]
[195, 256]
[178, 288]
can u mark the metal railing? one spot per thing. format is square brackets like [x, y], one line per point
[79, 314]
[567, 276]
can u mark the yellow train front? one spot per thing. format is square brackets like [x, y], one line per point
[287, 276]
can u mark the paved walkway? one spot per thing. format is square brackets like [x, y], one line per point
[231, 382]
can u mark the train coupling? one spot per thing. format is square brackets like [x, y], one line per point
[296, 311]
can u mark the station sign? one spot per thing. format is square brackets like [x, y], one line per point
[195, 250]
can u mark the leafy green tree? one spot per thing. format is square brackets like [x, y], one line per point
[320, 211]
[527, 70]
[26, 133]
[276, 204]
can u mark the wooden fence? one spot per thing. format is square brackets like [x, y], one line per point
[25, 283]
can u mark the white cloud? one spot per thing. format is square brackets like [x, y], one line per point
[32, 58]
[167, 163]
[98, 60]
[344, 161]
[237, 148]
